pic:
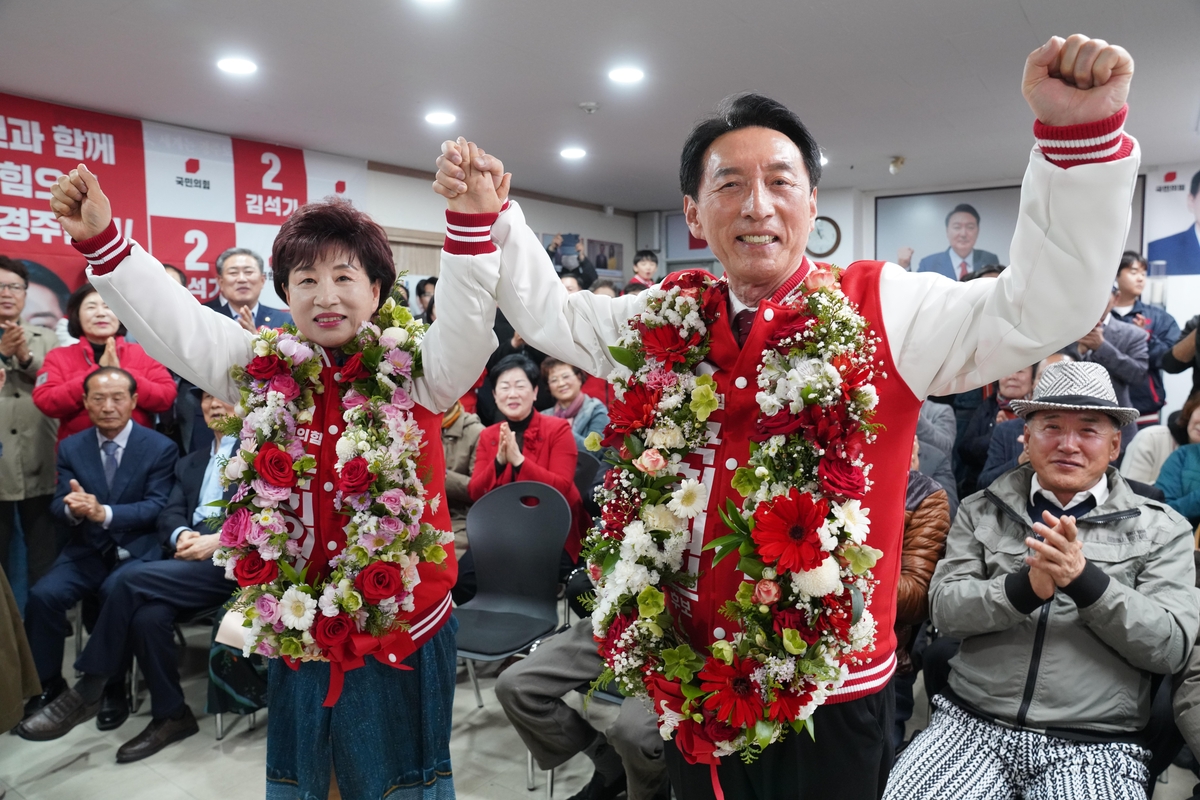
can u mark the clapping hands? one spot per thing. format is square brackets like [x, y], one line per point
[83, 505]
[507, 449]
[1058, 558]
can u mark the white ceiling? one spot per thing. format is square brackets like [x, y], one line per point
[937, 81]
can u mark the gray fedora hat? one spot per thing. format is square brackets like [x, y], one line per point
[1075, 386]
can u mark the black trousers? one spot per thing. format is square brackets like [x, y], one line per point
[41, 535]
[139, 615]
[849, 760]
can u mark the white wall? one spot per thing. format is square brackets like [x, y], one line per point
[842, 206]
[401, 202]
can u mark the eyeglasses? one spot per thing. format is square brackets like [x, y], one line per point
[15, 288]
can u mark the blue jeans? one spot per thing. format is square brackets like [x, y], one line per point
[387, 737]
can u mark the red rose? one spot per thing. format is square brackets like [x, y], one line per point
[619, 625]
[329, 632]
[781, 423]
[795, 619]
[252, 569]
[717, 731]
[687, 279]
[630, 414]
[266, 367]
[791, 327]
[836, 616]
[714, 301]
[354, 369]
[666, 345]
[356, 476]
[379, 581]
[274, 465]
[841, 479]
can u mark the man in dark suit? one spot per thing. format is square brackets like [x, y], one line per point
[113, 481]
[1181, 251]
[961, 258]
[142, 605]
[241, 276]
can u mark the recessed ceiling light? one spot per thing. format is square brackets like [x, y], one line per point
[573, 152]
[237, 66]
[626, 75]
[440, 118]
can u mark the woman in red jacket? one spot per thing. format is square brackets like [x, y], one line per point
[528, 446]
[58, 391]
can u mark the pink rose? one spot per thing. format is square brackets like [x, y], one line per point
[818, 278]
[258, 536]
[391, 525]
[286, 385]
[401, 399]
[268, 608]
[650, 461]
[766, 592]
[237, 526]
[352, 399]
[268, 494]
[393, 500]
[265, 648]
[294, 349]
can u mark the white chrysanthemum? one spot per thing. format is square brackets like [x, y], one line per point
[853, 520]
[660, 518]
[297, 609]
[828, 536]
[868, 396]
[818, 582]
[667, 434]
[768, 403]
[862, 633]
[689, 499]
[345, 448]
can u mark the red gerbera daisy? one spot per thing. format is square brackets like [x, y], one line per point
[736, 699]
[635, 412]
[786, 531]
[787, 704]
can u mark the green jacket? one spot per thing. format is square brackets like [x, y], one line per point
[1063, 664]
[28, 435]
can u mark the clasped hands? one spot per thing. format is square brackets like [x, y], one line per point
[471, 181]
[193, 546]
[1057, 558]
[507, 449]
[83, 505]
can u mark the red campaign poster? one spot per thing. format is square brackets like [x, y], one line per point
[40, 141]
[192, 246]
[269, 181]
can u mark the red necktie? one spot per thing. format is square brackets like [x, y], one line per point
[743, 321]
[962, 270]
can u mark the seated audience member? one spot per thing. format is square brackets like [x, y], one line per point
[460, 435]
[114, 480]
[634, 287]
[241, 276]
[526, 446]
[585, 413]
[1153, 445]
[142, 604]
[1062, 617]
[1007, 448]
[605, 287]
[510, 343]
[977, 437]
[645, 267]
[58, 391]
[575, 263]
[1148, 395]
[1179, 477]
[1121, 349]
[27, 436]
[936, 431]
[571, 283]
[927, 516]
[627, 757]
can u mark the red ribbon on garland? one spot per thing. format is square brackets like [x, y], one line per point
[390, 649]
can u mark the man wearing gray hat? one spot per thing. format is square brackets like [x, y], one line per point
[1069, 592]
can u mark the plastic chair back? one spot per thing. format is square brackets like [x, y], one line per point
[586, 468]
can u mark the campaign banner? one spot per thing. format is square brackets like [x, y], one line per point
[183, 194]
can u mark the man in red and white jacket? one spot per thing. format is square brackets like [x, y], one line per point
[749, 179]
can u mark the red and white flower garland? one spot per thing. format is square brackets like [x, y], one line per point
[799, 533]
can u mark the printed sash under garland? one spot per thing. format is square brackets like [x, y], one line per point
[799, 533]
[357, 610]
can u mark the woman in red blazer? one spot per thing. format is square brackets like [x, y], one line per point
[58, 391]
[527, 446]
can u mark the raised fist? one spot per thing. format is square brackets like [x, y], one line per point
[1076, 80]
[80, 205]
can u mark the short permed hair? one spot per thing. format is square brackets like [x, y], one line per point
[333, 226]
[514, 361]
[745, 111]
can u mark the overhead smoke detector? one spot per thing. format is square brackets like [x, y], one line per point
[896, 164]
[589, 107]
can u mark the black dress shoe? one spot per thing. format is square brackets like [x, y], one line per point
[114, 708]
[50, 690]
[157, 735]
[597, 789]
[57, 719]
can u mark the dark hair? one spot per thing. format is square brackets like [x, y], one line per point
[573, 276]
[645, 255]
[76, 300]
[633, 287]
[1185, 413]
[1195, 187]
[1132, 258]
[745, 111]
[549, 363]
[110, 371]
[604, 283]
[239, 251]
[427, 315]
[963, 208]
[514, 361]
[424, 283]
[983, 272]
[177, 271]
[44, 276]
[403, 292]
[14, 266]
[333, 226]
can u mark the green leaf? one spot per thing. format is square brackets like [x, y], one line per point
[651, 602]
[690, 690]
[745, 482]
[625, 357]
[861, 557]
[289, 572]
[752, 567]
[763, 732]
[681, 663]
[610, 563]
[725, 541]
[634, 445]
[811, 727]
[857, 605]
[793, 643]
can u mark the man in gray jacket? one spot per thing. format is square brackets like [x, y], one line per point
[1069, 592]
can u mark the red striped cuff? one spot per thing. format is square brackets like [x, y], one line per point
[105, 250]
[470, 234]
[1091, 143]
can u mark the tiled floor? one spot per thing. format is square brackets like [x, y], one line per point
[488, 756]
